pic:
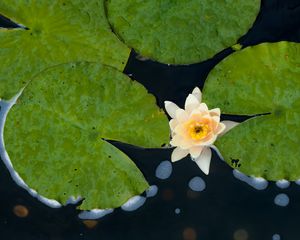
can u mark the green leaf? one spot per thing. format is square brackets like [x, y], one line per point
[260, 79]
[59, 32]
[55, 134]
[181, 31]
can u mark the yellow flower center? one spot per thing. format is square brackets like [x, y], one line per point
[197, 131]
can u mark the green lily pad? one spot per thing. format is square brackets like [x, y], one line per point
[55, 134]
[59, 32]
[257, 80]
[181, 31]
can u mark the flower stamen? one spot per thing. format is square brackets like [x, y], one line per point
[197, 131]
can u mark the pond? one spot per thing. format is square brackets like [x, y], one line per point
[182, 202]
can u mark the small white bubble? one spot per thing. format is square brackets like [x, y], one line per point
[164, 170]
[177, 210]
[282, 200]
[197, 184]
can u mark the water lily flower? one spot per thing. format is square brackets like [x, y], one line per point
[194, 129]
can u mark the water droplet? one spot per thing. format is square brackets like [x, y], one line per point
[276, 237]
[151, 191]
[164, 170]
[282, 200]
[197, 184]
[283, 183]
[177, 210]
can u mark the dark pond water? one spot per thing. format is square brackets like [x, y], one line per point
[226, 209]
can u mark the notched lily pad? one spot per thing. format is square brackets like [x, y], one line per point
[181, 31]
[55, 134]
[59, 32]
[260, 79]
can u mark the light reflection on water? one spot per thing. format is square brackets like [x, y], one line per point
[256, 182]
[282, 200]
[276, 237]
[197, 184]
[283, 183]
[164, 170]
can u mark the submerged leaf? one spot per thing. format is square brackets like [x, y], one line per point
[55, 134]
[57, 32]
[181, 31]
[257, 80]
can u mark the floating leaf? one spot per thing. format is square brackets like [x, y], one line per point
[55, 134]
[58, 32]
[181, 31]
[260, 79]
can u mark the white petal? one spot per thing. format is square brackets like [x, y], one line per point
[203, 161]
[215, 112]
[173, 123]
[197, 112]
[179, 141]
[178, 154]
[197, 93]
[171, 108]
[196, 151]
[221, 127]
[191, 103]
[209, 142]
[175, 141]
[181, 115]
[203, 107]
[216, 119]
[228, 126]
[180, 130]
[186, 143]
